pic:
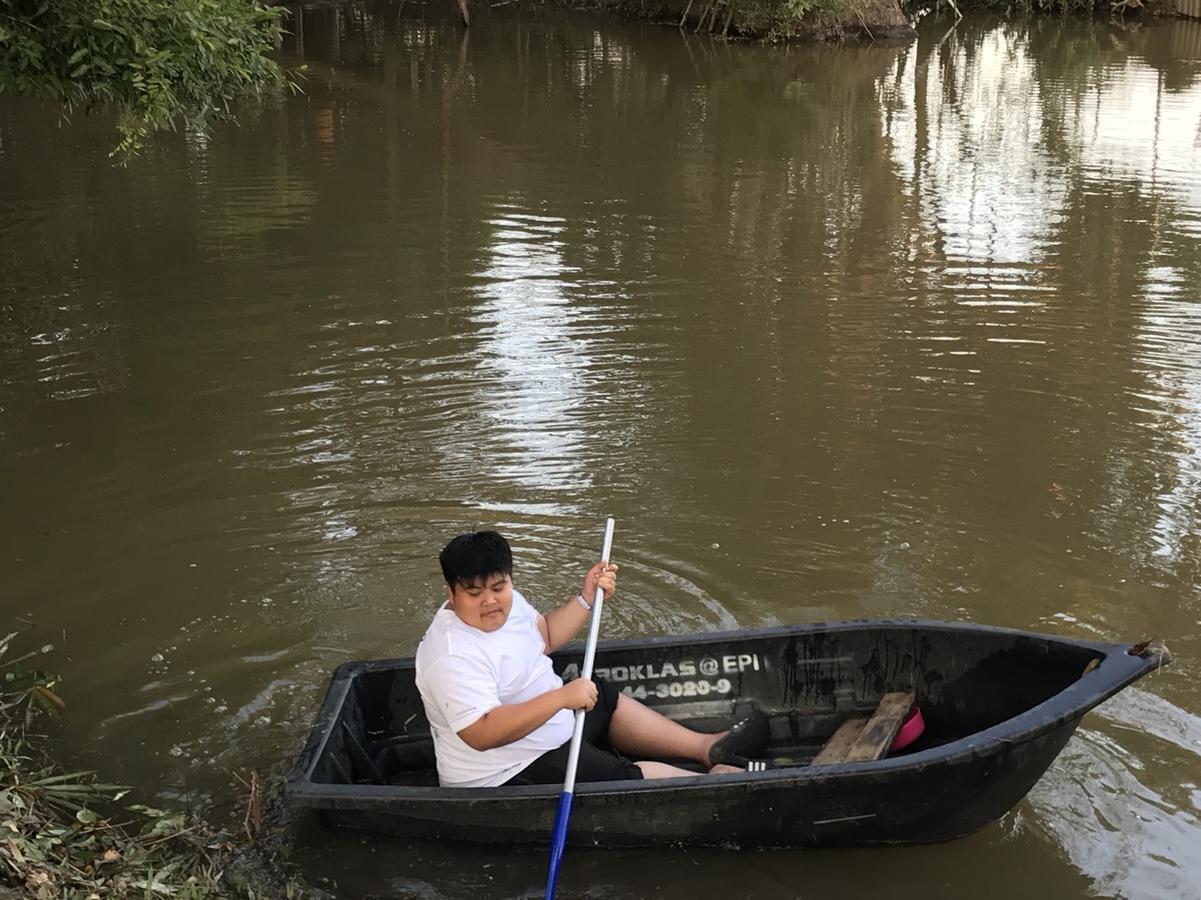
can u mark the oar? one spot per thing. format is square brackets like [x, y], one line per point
[558, 836]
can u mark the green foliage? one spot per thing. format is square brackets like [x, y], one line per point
[816, 8]
[157, 62]
[771, 16]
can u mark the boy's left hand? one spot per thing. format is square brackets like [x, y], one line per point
[602, 575]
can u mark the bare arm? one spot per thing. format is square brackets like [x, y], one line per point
[560, 625]
[513, 721]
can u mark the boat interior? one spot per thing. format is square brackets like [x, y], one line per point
[832, 694]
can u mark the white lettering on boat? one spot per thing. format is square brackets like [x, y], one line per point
[729, 665]
[672, 689]
[675, 678]
[740, 663]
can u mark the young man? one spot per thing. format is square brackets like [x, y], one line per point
[500, 715]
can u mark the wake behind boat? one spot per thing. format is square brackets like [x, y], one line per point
[997, 704]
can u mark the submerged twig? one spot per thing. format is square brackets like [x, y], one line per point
[253, 821]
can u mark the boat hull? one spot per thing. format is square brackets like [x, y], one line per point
[974, 767]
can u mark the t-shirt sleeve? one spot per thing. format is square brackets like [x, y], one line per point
[464, 690]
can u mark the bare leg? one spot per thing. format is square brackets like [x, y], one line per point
[663, 770]
[640, 732]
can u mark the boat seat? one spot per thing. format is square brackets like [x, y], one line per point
[860, 740]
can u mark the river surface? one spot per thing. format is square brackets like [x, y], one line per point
[832, 331]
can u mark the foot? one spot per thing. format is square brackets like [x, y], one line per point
[723, 769]
[747, 738]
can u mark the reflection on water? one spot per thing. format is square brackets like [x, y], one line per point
[1170, 339]
[975, 161]
[832, 332]
[1006, 169]
[532, 355]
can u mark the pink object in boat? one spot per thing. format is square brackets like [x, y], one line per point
[911, 729]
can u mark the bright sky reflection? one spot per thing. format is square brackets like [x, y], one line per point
[532, 357]
[986, 183]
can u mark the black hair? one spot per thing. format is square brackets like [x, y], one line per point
[474, 556]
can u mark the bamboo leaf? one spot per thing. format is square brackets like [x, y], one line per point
[65, 777]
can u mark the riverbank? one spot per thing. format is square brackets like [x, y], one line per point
[69, 835]
[770, 20]
[875, 20]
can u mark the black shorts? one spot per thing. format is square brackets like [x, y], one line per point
[598, 760]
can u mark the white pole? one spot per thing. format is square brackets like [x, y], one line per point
[577, 736]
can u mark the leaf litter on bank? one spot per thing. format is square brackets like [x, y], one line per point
[68, 836]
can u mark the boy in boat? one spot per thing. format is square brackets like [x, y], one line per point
[500, 715]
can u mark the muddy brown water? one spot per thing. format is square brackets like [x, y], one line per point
[833, 332]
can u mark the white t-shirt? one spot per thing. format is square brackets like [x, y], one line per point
[463, 672]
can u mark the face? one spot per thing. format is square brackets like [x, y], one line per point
[483, 604]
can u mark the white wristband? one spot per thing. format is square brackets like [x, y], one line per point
[579, 598]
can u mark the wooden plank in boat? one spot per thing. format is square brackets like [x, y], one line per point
[835, 749]
[881, 728]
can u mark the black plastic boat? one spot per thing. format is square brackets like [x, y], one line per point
[998, 705]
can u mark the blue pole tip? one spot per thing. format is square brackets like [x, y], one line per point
[558, 840]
